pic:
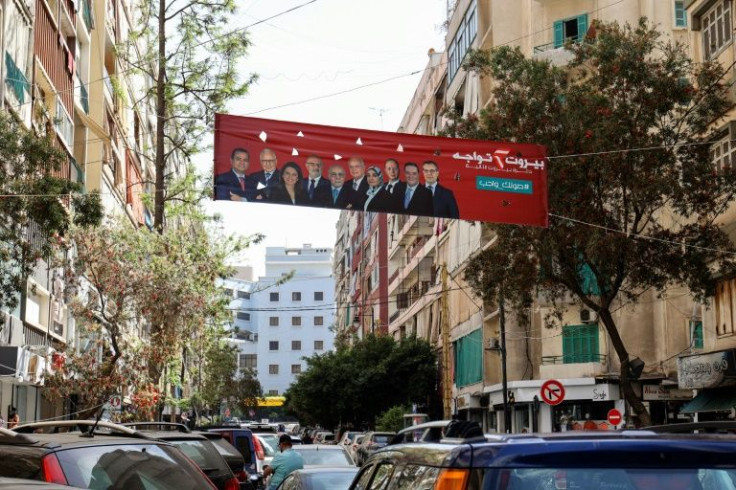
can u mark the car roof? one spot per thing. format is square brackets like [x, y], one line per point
[425, 425]
[328, 469]
[320, 447]
[569, 450]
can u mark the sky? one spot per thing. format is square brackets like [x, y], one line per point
[320, 49]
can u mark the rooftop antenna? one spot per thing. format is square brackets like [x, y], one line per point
[381, 111]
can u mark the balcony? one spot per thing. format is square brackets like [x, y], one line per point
[76, 172]
[16, 80]
[557, 54]
[573, 366]
[87, 14]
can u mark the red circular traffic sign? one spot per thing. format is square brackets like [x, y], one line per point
[552, 392]
[614, 417]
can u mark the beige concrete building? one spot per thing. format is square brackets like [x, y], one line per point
[575, 351]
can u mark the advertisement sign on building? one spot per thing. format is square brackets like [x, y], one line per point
[711, 370]
[267, 161]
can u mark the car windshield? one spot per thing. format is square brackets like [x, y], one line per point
[381, 439]
[621, 479]
[201, 452]
[325, 457]
[130, 466]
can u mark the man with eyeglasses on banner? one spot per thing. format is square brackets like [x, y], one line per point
[444, 203]
[315, 185]
[268, 177]
[340, 193]
[285, 461]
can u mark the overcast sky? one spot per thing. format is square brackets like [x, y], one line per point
[324, 48]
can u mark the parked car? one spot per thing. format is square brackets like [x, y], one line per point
[324, 437]
[235, 461]
[23, 484]
[91, 454]
[245, 443]
[425, 432]
[371, 442]
[628, 460]
[348, 437]
[324, 455]
[196, 447]
[319, 479]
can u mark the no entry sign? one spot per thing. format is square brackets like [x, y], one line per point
[552, 392]
[614, 417]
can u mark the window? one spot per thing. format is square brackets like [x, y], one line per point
[716, 24]
[319, 321]
[273, 321]
[725, 305]
[572, 29]
[273, 345]
[469, 359]
[462, 40]
[248, 361]
[296, 296]
[228, 292]
[274, 297]
[680, 14]
[296, 368]
[696, 334]
[243, 316]
[296, 321]
[319, 296]
[580, 344]
[723, 153]
[273, 369]
[319, 345]
[296, 345]
[243, 295]
[273, 392]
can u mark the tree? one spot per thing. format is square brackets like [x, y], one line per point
[184, 46]
[633, 193]
[363, 382]
[35, 205]
[221, 381]
[392, 420]
[128, 285]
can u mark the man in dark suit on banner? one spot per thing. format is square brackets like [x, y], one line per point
[358, 184]
[234, 185]
[315, 185]
[445, 205]
[393, 185]
[268, 177]
[340, 192]
[417, 199]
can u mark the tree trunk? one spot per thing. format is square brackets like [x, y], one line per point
[625, 381]
[160, 163]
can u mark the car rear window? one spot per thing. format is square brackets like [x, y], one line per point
[225, 448]
[382, 439]
[130, 466]
[325, 458]
[203, 453]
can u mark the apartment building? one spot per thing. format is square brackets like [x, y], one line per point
[280, 321]
[62, 76]
[576, 350]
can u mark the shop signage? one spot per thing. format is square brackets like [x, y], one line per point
[662, 393]
[711, 370]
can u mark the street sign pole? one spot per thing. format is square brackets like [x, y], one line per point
[504, 380]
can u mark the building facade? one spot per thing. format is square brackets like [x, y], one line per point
[284, 316]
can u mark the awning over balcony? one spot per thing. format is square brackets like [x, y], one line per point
[711, 401]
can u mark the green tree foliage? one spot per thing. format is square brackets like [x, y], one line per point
[140, 300]
[353, 386]
[35, 205]
[633, 194]
[392, 420]
[193, 53]
[221, 382]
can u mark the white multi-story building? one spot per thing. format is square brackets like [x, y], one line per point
[281, 321]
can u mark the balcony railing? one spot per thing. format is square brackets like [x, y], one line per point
[16, 80]
[574, 359]
[556, 45]
[77, 173]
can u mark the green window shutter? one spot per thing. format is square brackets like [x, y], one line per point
[680, 14]
[469, 359]
[559, 34]
[580, 344]
[696, 332]
[582, 27]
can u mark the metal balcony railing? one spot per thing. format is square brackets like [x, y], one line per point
[556, 44]
[574, 359]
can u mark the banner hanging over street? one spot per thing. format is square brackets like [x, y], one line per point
[263, 160]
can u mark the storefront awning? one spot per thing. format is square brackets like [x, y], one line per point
[711, 401]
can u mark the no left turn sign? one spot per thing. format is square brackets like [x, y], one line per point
[552, 391]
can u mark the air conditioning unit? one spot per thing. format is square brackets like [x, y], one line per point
[588, 316]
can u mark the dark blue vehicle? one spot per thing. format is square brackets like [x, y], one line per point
[632, 460]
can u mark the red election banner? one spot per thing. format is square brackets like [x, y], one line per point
[263, 160]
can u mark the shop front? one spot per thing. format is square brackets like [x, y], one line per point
[713, 375]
